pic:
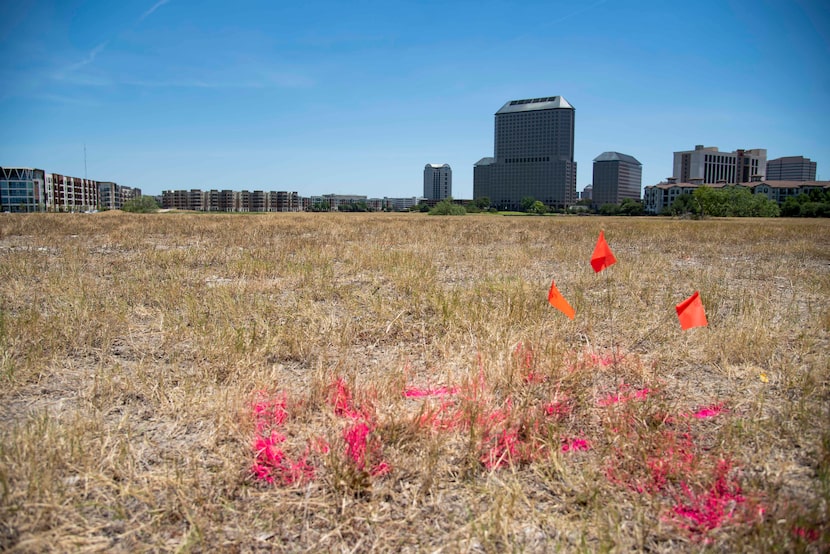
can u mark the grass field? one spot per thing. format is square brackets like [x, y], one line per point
[371, 382]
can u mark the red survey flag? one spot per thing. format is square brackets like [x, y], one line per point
[558, 301]
[690, 312]
[602, 257]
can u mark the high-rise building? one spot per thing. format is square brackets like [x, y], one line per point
[587, 193]
[616, 177]
[706, 164]
[437, 181]
[791, 168]
[533, 155]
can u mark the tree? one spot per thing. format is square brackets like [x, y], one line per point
[630, 206]
[447, 207]
[482, 203]
[609, 209]
[538, 208]
[527, 203]
[141, 205]
[684, 204]
[735, 201]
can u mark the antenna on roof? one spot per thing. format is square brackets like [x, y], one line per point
[84, 161]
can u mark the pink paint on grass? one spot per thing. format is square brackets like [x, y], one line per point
[558, 409]
[809, 535]
[363, 450]
[415, 392]
[625, 394]
[273, 465]
[504, 451]
[340, 398]
[572, 445]
[269, 412]
[700, 512]
[709, 411]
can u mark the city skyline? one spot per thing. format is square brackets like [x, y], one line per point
[326, 98]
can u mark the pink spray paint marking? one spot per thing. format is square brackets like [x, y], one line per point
[361, 449]
[273, 465]
[809, 535]
[702, 512]
[709, 411]
[572, 445]
[625, 394]
[269, 411]
[415, 392]
[558, 409]
[503, 452]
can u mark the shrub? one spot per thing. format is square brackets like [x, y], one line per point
[141, 205]
[446, 207]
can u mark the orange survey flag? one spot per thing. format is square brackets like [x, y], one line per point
[558, 301]
[602, 257]
[690, 312]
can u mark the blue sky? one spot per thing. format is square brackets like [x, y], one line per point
[355, 97]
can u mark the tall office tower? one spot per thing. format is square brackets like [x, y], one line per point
[534, 155]
[791, 168]
[437, 181]
[708, 165]
[616, 177]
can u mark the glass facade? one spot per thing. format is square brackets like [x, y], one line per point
[21, 190]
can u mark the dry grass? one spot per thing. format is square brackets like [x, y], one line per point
[133, 349]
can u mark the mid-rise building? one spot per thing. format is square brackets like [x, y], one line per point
[533, 155]
[437, 181]
[22, 189]
[616, 177]
[230, 200]
[710, 165]
[658, 197]
[791, 168]
[113, 196]
[71, 194]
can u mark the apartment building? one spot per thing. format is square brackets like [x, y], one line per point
[662, 195]
[22, 189]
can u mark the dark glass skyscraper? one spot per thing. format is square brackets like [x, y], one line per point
[616, 177]
[534, 155]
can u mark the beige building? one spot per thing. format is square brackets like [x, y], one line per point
[710, 165]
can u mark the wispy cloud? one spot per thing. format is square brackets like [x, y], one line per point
[149, 12]
[251, 77]
[282, 81]
[63, 99]
[67, 71]
[90, 57]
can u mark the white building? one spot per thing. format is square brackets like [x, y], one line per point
[437, 181]
[710, 166]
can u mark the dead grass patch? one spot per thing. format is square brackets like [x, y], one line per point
[398, 382]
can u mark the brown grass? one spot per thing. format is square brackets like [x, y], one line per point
[133, 347]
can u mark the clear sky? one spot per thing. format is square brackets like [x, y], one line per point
[356, 97]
